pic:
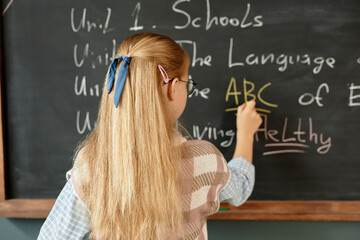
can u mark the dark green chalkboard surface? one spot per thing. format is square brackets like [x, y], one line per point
[299, 59]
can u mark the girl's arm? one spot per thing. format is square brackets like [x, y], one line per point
[68, 218]
[247, 123]
[241, 183]
[242, 172]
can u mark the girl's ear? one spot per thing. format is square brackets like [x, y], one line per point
[171, 89]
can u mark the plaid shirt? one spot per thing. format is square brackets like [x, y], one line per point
[69, 218]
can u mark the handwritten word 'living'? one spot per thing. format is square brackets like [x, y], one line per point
[227, 137]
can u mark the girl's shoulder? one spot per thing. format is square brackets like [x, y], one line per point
[73, 174]
[75, 188]
[201, 147]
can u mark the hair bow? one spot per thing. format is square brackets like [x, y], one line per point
[121, 77]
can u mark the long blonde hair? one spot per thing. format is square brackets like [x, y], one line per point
[129, 172]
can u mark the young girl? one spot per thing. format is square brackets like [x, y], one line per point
[134, 175]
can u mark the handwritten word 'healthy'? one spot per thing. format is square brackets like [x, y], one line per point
[294, 142]
[282, 60]
[249, 94]
[222, 21]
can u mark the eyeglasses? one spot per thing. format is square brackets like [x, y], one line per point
[190, 85]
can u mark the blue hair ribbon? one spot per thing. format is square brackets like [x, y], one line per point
[121, 77]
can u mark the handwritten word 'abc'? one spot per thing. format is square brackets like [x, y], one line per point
[248, 92]
[222, 21]
[90, 25]
[281, 60]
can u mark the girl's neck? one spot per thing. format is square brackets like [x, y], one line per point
[179, 139]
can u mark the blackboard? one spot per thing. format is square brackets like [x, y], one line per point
[299, 59]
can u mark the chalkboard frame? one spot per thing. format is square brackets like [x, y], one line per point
[251, 210]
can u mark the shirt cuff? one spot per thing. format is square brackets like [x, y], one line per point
[241, 182]
[243, 164]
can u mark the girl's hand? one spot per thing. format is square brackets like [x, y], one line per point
[248, 120]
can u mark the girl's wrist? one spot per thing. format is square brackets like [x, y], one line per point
[244, 136]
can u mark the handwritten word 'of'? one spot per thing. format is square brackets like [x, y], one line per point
[299, 138]
[309, 98]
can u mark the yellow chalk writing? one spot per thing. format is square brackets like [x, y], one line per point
[249, 91]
